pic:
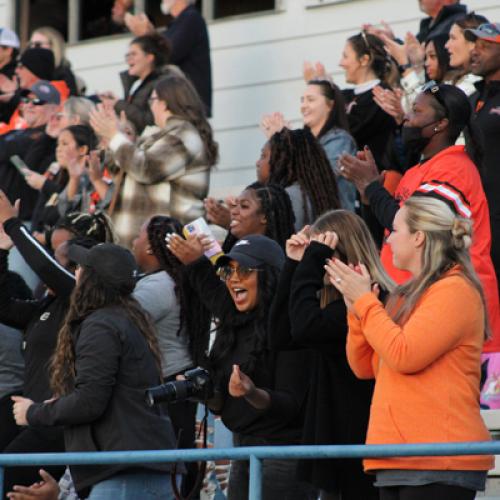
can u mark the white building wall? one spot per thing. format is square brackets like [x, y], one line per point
[257, 66]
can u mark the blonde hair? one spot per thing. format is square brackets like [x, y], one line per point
[355, 246]
[447, 240]
[57, 43]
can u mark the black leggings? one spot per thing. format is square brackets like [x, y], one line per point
[435, 491]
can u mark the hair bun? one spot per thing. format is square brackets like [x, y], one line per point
[462, 233]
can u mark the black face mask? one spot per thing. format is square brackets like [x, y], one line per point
[413, 140]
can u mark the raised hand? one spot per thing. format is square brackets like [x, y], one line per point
[360, 169]
[275, 122]
[5, 241]
[390, 102]
[186, 250]
[297, 244]
[104, 122]
[217, 212]
[139, 25]
[328, 238]
[7, 210]
[240, 385]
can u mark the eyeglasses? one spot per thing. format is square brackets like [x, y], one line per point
[35, 101]
[432, 87]
[225, 272]
[152, 99]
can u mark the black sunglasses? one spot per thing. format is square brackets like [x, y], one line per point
[35, 101]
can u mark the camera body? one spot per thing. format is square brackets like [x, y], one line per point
[196, 386]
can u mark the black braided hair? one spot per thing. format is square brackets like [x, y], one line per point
[277, 208]
[96, 226]
[194, 317]
[297, 157]
[227, 332]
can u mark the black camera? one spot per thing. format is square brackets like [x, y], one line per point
[197, 386]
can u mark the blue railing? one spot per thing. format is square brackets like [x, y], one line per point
[254, 454]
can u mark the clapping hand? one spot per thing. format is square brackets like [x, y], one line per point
[273, 123]
[5, 241]
[46, 489]
[390, 102]
[217, 212]
[139, 25]
[104, 122]
[187, 250]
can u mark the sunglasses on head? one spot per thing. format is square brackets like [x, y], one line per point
[225, 272]
[432, 87]
[33, 100]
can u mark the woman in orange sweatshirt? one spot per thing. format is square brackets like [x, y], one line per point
[424, 350]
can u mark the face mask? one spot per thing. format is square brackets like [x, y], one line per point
[413, 140]
[166, 7]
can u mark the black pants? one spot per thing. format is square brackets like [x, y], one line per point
[434, 491]
[27, 440]
[183, 416]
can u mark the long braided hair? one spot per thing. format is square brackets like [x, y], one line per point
[276, 207]
[194, 317]
[297, 157]
[90, 294]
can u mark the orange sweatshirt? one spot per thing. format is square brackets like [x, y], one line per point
[427, 373]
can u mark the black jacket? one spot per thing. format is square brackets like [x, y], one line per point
[136, 106]
[106, 410]
[188, 36]
[338, 404]
[371, 126]
[37, 149]
[443, 22]
[486, 119]
[40, 319]
[285, 375]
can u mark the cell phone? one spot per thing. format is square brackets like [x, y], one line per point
[18, 162]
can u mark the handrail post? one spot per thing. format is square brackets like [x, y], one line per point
[2, 472]
[255, 491]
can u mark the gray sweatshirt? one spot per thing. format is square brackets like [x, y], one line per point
[155, 292]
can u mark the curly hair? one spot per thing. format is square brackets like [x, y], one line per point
[297, 157]
[227, 332]
[194, 316]
[277, 208]
[90, 294]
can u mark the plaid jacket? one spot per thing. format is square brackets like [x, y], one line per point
[166, 172]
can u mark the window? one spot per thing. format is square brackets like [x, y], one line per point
[225, 8]
[84, 19]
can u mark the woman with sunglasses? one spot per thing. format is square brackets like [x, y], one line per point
[438, 116]
[259, 393]
[424, 349]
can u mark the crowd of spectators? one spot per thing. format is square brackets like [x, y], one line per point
[355, 297]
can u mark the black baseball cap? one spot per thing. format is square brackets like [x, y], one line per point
[114, 264]
[254, 251]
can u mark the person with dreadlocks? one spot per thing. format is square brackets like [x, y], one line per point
[240, 363]
[107, 355]
[260, 209]
[295, 160]
[40, 320]
[182, 322]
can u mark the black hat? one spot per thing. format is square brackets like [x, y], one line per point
[45, 91]
[254, 250]
[114, 264]
[39, 61]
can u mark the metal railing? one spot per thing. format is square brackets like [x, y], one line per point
[254, 454]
